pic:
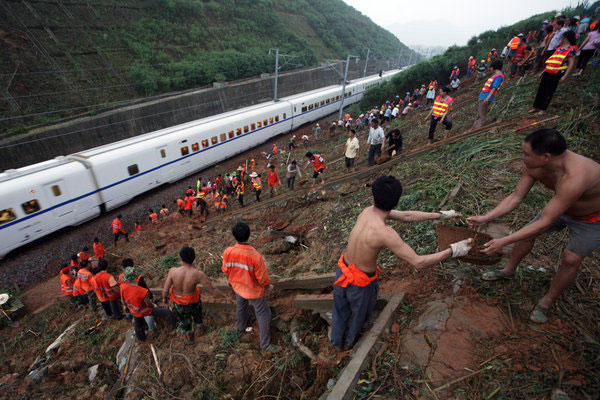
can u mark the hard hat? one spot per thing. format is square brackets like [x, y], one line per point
[520, 35]
[4, 298]
[545, 21]
[494, 49]
[455, 66]
[482, 61]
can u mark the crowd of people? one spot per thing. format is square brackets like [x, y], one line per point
[545, 156]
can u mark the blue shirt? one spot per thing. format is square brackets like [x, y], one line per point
[387, 113]
[495, 85]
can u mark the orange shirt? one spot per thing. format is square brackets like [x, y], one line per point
[181, 204]
[117, 226]
[99, 250]
[246, 270]
[153, 217]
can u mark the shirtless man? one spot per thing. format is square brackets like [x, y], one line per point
[576, 204]
[182, 286]
[355, 289]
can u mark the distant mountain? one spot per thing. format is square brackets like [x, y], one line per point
[69, 55]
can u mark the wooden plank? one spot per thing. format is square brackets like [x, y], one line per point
[324, 302]
[309, 282]
[344, 388]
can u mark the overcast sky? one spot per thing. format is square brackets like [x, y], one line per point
[444, 23]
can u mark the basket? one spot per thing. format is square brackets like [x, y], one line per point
[448, 234]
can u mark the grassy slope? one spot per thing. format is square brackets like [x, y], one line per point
[157, 46]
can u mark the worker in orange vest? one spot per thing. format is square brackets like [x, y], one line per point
[139, 302]
[252, 164]
[256, 184]
[272, 180]
[83, 254]
[109, 287]
[136, 226]
[318, 164]
[99, 295]
[98, 249]
[513, 44]
[470, 66]
[248, 277]
[217, 200]
[488, 93]
[75, 262]
[182, 288]
[201, 202]
[180, 205]
[66, 282]
[439, 113]
[78, 292]
[455, 73]
[274, 148]
[189, 202]
[117, 228]
[239, 190]
[492, 56]
[224, 203]
[152, 216]
[85, 275]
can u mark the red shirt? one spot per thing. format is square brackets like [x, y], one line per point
[117, 226]
[273, 178]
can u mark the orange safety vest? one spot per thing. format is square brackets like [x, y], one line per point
[256, 183]
[77, 290]
[75, 265]
[440, 107]
[240, 188]
[351, 275]
[153, 217]
[133, 296]
[274, 149]
[189, 200]
[181, 204]
[137, 227]
[184, 300]
[455, 72]
[117, 226]
[83, 256]
[317, 163]
[97, 290]
[84, 276]
[99, 250]
[488, 85]
[223, 203]
[514, 43]
[554, 64]
[66, 282]
[246, 271]
[216, 201]
[109, 292]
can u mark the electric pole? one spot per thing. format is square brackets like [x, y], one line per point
[344, 85]
[366, 62]
[287, 58]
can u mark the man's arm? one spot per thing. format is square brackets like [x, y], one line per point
[566, 194]
[166, 287]
[406, 253]
[413, 216]
[260, 273]
[208, 284]
[569, 69]
[508, 204]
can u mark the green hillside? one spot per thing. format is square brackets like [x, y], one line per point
[69, 55]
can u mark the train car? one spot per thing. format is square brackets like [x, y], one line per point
[43, 198]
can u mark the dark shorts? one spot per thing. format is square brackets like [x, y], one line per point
[189, 315]
[349, 162]
[584, 237]
[316, 173]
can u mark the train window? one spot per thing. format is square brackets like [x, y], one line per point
[271, 120]
[284, 114]
[294, 109]
[327, 101]
[31, 206]
[310, 106]
[253, 127]
[231, 134]
[238, 131]
[184, 152]
[304, 109]
[316, 105]
[56, 190]
[265, 122]
[322, 103]
[205, 143]
[337, 97]
[246, 129]
[133, 169]
[7, 216]
[277, 118]
[223, 137]
[259, 124]
[163, 153]
[214, 140]
[195, 147]
[333, 99]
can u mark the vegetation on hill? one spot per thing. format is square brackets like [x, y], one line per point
[69, 55]
[439, 67]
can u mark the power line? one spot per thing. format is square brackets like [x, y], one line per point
[140, 118]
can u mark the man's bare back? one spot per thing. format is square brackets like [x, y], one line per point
[578, 174]
[184, 279]
[366, 240]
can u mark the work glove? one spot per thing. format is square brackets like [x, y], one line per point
[449, 214]
[461, 248]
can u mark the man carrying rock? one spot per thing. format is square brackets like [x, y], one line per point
[356, 286]
[182, 287]
[575, 181]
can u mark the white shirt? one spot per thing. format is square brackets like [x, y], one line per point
[556, 39]
[352, 147]
[455, 83]
[376, 136]
[395, 111]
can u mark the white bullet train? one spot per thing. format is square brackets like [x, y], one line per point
[42, 198]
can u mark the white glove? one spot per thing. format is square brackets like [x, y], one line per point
[449, 214]
[461, 248]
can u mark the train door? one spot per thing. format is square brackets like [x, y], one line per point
[56, 193]
[162, 174]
